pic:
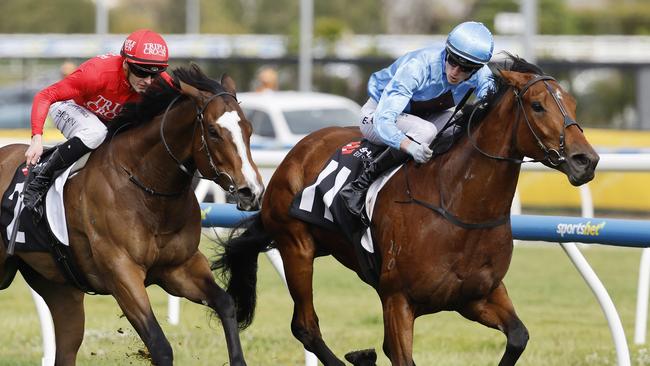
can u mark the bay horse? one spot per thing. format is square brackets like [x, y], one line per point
[133, 219]
[442, 229]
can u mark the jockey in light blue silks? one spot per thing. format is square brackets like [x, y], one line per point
[425, 83]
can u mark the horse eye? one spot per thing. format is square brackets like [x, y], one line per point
[537, 107]
[213, 133]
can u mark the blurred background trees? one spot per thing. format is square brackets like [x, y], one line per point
[609, 94]
[629, 17]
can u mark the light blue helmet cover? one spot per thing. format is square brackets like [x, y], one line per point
[471, 41]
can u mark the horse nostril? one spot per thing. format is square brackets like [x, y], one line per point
[245, 192]
[581, 160]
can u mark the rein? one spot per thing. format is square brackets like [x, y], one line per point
[204, 146]
[552, 156]
[442, 211]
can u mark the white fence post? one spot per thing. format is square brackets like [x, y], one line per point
[47, 329]
[606, 304]
[640, 324]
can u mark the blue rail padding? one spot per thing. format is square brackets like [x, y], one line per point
[556, 229]
[563, 229]
[222, 215]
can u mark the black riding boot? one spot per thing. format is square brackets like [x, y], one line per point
[43, 173]
[354, 193]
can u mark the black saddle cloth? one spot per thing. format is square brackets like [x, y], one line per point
[31, 236]
[320, 204]
[35, 235]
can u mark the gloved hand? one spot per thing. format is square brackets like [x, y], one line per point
[420, 153]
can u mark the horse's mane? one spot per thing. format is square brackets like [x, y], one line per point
[507, 62]
[159, 95]
[477, 111]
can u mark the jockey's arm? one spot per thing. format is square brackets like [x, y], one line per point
[485, 82]
[394, 100]
[65, 89]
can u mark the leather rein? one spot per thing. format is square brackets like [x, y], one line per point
[554, 157]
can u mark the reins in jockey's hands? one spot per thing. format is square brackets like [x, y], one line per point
[420, 152]
[410, 101]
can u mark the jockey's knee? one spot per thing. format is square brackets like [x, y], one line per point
[427, 132]
[93, 138]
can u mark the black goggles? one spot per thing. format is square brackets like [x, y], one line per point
[465, 65]
[143, 72]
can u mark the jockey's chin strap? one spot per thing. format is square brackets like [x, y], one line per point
[552, 156]
[199, 119]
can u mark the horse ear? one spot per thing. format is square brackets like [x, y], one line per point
[228, 83]
[513, 78]
[188, 89]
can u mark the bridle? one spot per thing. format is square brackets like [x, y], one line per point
[204, 147]
[554, 157]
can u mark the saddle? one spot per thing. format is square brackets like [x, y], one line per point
[45, 157]
[320, 204]
[39, 235]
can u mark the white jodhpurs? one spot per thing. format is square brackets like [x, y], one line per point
[418, 129]
[74, 120]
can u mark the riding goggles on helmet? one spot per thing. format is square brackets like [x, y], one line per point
[144, 71]
[465, 65]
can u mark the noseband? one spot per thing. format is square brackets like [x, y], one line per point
[204, 145]
[554, 157]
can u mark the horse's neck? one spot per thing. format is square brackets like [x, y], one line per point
[469, 176]
[142, 151]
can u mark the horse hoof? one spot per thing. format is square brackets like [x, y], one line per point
[365, 357]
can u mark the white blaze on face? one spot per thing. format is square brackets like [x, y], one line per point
[230, 121]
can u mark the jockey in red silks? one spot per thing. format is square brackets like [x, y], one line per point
[82, 103]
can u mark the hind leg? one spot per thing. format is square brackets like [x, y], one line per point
[298, 258]
[67, 309]
[496, 311]
[194, 281]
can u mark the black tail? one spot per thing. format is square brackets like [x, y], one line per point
[237, 265]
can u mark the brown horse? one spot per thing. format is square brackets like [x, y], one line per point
[452, 259]
[133, 219]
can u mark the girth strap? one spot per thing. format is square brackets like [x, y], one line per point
[65, 261]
